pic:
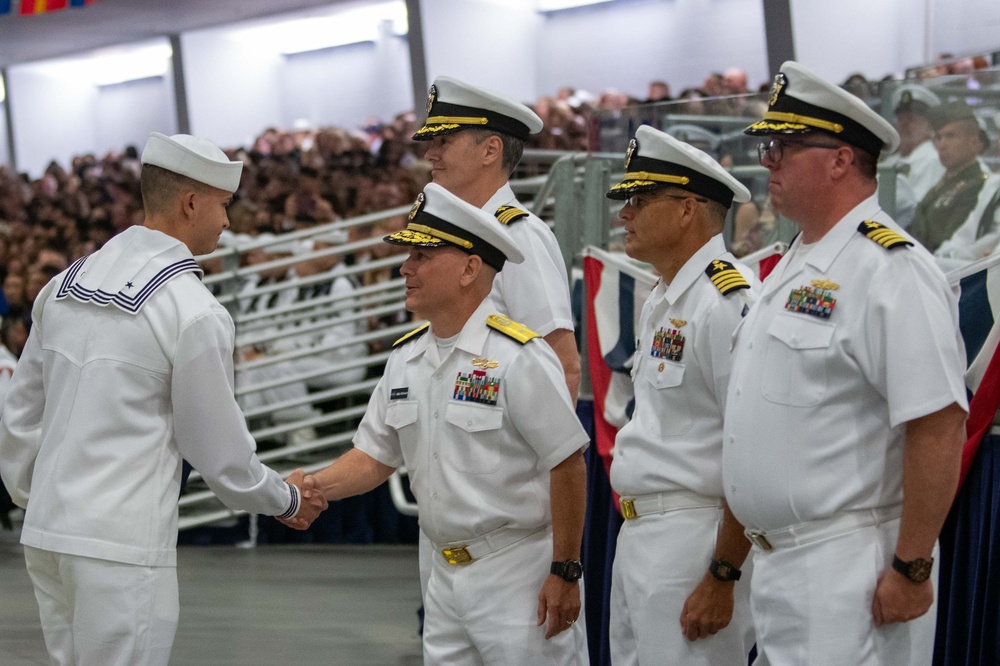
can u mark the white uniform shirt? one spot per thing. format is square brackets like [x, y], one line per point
[7, 364]
[105, 403]
[674, 440]
[474, 467]
[535, 292]
[817, 407]
[925, 168]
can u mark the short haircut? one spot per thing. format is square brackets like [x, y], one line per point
[160, 187]
[866, 162]
[513, 148]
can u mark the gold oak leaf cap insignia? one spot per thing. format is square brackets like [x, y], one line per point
[882, 235]
[508, 214]
[511, 329]
[725, 277]
[412, 335]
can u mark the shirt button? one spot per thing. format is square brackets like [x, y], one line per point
[468, 423]
[738, 391]
[434, 495]
[435, 456]
[731, 439]
[749, 345]
[435, 413]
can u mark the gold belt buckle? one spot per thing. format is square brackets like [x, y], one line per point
[759, 539]
[628, 508]
[456, 555]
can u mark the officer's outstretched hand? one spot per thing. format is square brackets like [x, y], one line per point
[900, 600]
[313, 502]
[559, 603]
[708, 609]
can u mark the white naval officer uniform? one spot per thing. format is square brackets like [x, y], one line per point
[128, 369]
[814, 432]
[479, 468]
[670, 454]
[534, 292]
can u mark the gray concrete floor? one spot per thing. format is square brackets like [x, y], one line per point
[272, 605]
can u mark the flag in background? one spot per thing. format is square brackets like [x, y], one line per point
[30, 7]
[5, 6]
[978, 300]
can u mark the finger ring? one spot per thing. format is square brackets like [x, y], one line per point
[570, 623]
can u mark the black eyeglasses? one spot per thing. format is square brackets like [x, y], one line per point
[638, 201]
[774, 149]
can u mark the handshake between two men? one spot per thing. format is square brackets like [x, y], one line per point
[312, 503]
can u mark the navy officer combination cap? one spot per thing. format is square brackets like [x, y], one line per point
[198, 159]
[454, 105]
[913, 98]
[802, 102]
[440, 219]
[656, 160]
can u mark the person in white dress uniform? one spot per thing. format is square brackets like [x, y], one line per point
[678, 595]
[476, 406]
[845, 417]
[127, 370]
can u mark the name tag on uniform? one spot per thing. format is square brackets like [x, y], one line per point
[399, 393]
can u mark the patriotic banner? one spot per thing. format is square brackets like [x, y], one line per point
[616, 290]
[31, 7]
[5, 6]
[979, 299]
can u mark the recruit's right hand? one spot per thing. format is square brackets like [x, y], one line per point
[313, 503]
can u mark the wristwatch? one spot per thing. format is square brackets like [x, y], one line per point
[917, 570]
[570, 570]
[724, 571]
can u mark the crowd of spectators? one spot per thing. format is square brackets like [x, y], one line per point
[298, 177]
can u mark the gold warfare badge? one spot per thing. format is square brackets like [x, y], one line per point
[633, 146]
[417, 205]
[431, 98]
[780, 81]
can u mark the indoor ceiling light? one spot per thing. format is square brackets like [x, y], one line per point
[349, 26]
[556, 5]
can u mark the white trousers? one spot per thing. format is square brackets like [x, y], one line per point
[812, 604]
[103, 613]
[486, 612]
[659, 561]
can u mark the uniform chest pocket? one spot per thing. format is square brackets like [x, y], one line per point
[796, 360]
[473, 445]
[671, 411]
[401, 416]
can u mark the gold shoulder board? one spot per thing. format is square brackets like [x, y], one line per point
[412, 335]
[725, 277]
[508, 214]
[512, 329]
[882, 235]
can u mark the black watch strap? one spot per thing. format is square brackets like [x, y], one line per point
[916, 571]
[569, 570]
[724, 570]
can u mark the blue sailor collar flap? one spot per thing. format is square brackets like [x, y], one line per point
[128, 270]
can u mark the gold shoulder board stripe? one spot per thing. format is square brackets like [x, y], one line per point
[508, 214]
[882, 235]
[512, 329]
[412, 335]
[725, 277]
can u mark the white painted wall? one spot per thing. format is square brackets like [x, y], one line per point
[53, 118]
[626, 44]
[837, 39]
[232, 87]
[347, 85]
[964, 26]
[490, 43]
[126, 113]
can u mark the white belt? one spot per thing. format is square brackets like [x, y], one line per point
[464, 552]
[803, 533]
[644, 505]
